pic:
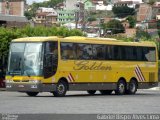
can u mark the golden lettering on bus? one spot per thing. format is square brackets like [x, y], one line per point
[86, 65]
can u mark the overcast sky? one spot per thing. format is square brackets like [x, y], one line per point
[31, 1]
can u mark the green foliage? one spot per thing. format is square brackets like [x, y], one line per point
[6, 35]
[114, 25]
[52, 3]
[142, 34]
[123, 11]
[29, 15]
[151, 2]
[132, 21]
[92, 18]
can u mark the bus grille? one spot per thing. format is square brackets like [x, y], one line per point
[151, 76]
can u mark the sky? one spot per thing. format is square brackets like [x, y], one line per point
[31, 1]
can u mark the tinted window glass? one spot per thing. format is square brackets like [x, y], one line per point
[67, 51]
[149, 54]
[98, 52]
[145, 52]
[83, 51]
[139, 53]
[50, 59]
[109, 52]
[76, 51]
[123, 52]
[131, 53]
[116, 53]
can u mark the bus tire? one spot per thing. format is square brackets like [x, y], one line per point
[32, 93]
[121, 87]
[91, 92]
[132, 88]
[61, 89]
[105, 92]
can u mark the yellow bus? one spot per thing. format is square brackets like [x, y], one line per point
[58, 65]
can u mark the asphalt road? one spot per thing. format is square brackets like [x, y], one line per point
[145, 101]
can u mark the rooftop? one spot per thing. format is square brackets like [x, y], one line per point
[13, 18]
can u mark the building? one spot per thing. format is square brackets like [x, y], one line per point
[130, 4]
[156, 11]
[65, 16]
[144, 13]
[12, 7]
[70, 10]
[45, 16]
[13, 21]
[12, 13]
[101, 6]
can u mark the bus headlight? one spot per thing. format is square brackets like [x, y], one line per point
[34, 81]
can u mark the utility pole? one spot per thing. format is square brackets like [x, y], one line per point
[80, 14]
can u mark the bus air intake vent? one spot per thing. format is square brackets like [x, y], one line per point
[151, 76]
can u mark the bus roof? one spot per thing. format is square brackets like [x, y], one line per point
[79, 39]
[36, 39]
[113, 41]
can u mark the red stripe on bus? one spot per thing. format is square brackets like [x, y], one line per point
[71, 76]
[137, 75]
[141, 72]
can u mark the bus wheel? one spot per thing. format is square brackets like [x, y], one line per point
[132, 87]
[91, 92]
[105, 92]
[32, 93]
[121, 88]
[61, 89]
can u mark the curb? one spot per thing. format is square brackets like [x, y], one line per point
[155, 88]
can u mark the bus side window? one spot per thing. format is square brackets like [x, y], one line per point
[67, 51]
[131, 53]
[116, 52]
[139, 53]
[82, 51]
[122, 52]
[109, 52]
[145, 52]
[87, 52]
[78, 51]
[98, 52]
[50, 59]
[150, 54]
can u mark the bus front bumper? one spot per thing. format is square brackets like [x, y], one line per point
[30, 87]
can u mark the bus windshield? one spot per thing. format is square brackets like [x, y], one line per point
[25, 59]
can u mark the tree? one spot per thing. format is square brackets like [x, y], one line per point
[92, 18]
[151, 2]
[132, 21]
[28, 15]
[143, 34]
[53, 3]
[115, 26]
[123, 11]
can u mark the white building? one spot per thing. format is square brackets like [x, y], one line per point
[139, 1]
[100, 6]
[45, 10]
